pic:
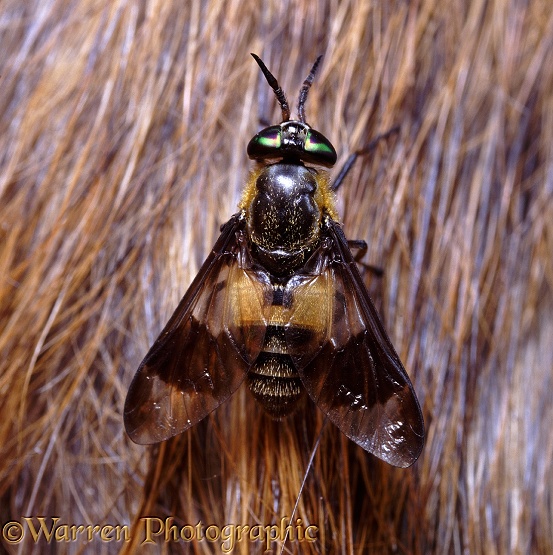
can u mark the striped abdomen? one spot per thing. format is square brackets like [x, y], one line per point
[273, 380]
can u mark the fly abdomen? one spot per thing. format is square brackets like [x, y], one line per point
[273, 380]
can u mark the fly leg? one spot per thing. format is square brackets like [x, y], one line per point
[348, 164]
[361, 246]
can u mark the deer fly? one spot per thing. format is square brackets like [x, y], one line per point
[279, 303]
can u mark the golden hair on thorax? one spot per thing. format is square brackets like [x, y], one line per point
[123, 148]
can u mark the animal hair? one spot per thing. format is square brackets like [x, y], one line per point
[123, 149]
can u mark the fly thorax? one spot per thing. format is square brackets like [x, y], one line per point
[283, 217]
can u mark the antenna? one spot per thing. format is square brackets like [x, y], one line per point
[305, 89]
[273, 83]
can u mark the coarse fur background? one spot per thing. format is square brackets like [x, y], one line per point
[122, 150]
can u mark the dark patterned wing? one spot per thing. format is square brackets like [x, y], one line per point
[205, 350]
[355, 376]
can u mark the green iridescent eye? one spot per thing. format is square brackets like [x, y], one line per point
[269, 140]
[320, 148]
[266, 144]
[292, 141]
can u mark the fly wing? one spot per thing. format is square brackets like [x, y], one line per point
[205, 350]
[355, 376]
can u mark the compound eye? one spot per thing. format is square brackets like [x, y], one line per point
[292, 141]
[266, 144]
[319, 149]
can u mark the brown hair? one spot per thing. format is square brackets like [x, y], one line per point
[123, 134]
